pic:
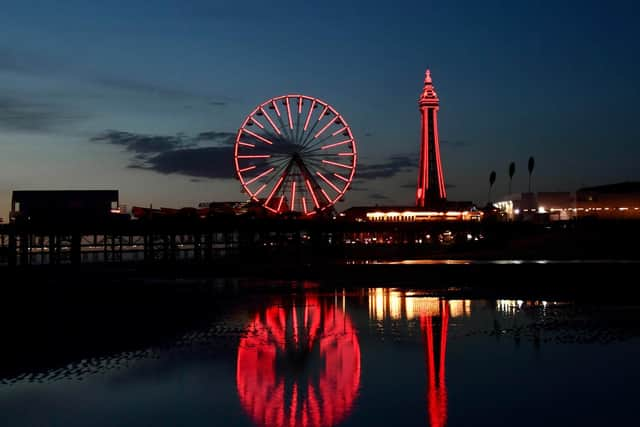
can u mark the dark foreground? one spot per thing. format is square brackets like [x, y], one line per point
[353, 345]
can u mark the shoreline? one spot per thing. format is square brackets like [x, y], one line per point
[568, 278]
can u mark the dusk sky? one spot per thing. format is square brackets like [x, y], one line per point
[146, 97]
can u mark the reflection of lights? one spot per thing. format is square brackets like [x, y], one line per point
[460, 307]
[507, 305]
[422, 306]
[396, 305]
[297, 337]
[436, 379]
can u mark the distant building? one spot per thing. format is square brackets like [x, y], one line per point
[613, 201]
[451, 211]
[64, 205]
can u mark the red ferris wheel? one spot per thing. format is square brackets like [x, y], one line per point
[295, 153]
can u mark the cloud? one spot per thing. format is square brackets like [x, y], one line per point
[29, 116]
[142, 144]
[357, 187]
[201, 162]
[216, 137]
[413, 184]
[177, 154]
[378, 196]
[392, 167]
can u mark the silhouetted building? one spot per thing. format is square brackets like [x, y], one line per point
[64, 205]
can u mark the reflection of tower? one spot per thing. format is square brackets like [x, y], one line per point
[431, 188]
[436, 385]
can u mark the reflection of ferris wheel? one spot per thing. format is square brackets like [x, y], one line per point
[295, 153]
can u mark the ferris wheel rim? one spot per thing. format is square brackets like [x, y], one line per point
[329, 174]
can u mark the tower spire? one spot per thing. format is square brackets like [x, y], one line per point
[428, 93]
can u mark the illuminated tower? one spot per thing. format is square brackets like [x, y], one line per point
[430, 191]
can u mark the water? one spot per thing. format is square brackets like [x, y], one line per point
[364, 357]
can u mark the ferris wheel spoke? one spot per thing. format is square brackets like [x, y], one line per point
[259, 190]
[270, 120]
[288, 104]
[341, 177]
[329, 183]
[313, 143]
[318, 165]
[326, 126]
[258, 137]
[293, 195]
[324, 174]
[317, 147]
[247, 169]
[306, 123]
[256, 122]
[298, 129]
[285, 128]
[340, 165]
[313, 127]
[257, 177]
[268, 134]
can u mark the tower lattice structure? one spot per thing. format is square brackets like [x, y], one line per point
[431, 190]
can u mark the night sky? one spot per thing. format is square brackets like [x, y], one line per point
[146, 97]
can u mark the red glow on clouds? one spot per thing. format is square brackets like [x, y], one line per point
[299, 366]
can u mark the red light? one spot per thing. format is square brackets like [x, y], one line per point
[275, 106]
[331, 184]
[306, 123]
[325, 147]
[329, 162]
[261, 138]
[340, 177]
[259, 190]
[325, 127]
[289, 113]
[256, 156]
[306, 400]
[254, 120]
[247, 168]
[257, 177]
[273, 191]
[339, 131]
[273, 125]
[313, 194]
